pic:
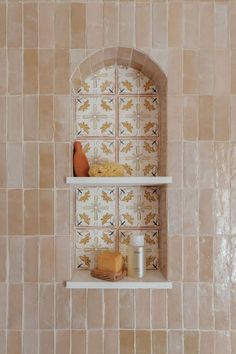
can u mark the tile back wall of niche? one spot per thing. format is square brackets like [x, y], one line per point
[41, 43]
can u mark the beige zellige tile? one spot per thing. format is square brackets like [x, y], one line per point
[159, 25]
[77, 25]
[232, 18]
[233, 72]
[222, 72]
[190, 71]
[158, 309]
[126, 308]
[46, 260]
[190, 259]
[3, 304]
[61, 81]
[221, 25]
[206, 315]
[2, 25]
[14, 25]
[190, 300]
[206, 259]
[94, 309]
[3, 212]
[62, 214]
[175, 258]
[61, 25]
[15, 308]
[62, 342]
[15, 73]
[94, 25]
[175, 204]
[46, 165]
[142, 306]
[191, 342]
[126, 23]
[78, 340]
[206, 164]
[175, 24]
[207, 25]
[222, 114]
[175, 342]
[127, 342]
[46, 342]
[3, 71]
[142, 26]
[31, 256]
[46, 71]
[3, 259]
[190, 117]
[191, 25]
[15, 249]
[3, 118]
[222, 164]
[62, 258]
[30, 25]
[159, 342]
[206, 345]
[30, 117]
[175, 70]
[143, 342]
[111, 309]
[78, 312]
[14, 342]
[14, 165]
[31, 212]
[233, 306]
[31, 311]
[175, 307]
[222, 342]
[111, 342]
[30, 341]
[15, 212]
[190, 165]
[175, 117]
[110, 23]
[221, 305]
[46, 212]
[206, 71]
[46, 25]
[14, 119]
[62, 307]
[30, 165]
[190, 211]
[46, 126]
[61, 111]
[95, 342]
[3, 163]
[62, 163]
[30, 73]
[46, 306]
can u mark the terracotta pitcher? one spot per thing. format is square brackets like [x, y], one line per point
[80, 161]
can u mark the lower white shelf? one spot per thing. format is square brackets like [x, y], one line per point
[153, 279]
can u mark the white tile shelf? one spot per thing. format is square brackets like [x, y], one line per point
[118, 181]
[153, 279]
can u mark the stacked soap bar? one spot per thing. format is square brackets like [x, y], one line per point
[109, 261]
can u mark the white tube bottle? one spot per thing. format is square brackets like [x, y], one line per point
[136, 257]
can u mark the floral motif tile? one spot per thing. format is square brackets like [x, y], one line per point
[138, 116]
[140, 157]
[85, 258]
[151, 246]
[95, 239]
[102, 82]
[95, 207]
[131, 81]
[99, 151]
[95, 116]
[138, 206]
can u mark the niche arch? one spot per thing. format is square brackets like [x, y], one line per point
[143, 63]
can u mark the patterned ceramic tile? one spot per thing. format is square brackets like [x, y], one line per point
[133, 81]
[138, 206]
[138, 116]
[95, 207]
[151, 246]
[95, 239]
[140, 157]
[85, 258]
[102, 82]
[95, 116]
[99, 151]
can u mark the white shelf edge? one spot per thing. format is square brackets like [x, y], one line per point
[153, 279]
[119, 181]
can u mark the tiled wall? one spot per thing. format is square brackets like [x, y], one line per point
[41, 44]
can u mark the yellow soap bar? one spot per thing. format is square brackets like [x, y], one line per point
[109, 261]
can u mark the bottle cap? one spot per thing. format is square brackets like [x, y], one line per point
[137, 240]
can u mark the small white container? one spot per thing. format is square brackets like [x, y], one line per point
[136, 257]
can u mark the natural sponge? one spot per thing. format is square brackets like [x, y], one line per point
[108, 169]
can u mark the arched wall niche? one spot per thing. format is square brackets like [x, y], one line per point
[143, 63]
